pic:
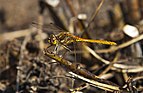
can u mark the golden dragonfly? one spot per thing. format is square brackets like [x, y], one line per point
[64, 38]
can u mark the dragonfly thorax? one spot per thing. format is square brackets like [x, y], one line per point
[61, 38]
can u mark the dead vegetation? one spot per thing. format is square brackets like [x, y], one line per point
[43, 59]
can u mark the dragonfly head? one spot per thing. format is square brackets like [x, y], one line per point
[52, 39]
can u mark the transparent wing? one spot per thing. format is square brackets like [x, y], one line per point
[49, 28]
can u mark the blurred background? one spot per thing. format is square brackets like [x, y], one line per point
[24, 33]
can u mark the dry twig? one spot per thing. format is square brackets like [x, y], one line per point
[118, 67]
[27, 38]
[110, 65]
[15, 34]
[102, 83]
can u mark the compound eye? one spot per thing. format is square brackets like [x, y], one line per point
[49, 40]
[52, 36]
[52, 40]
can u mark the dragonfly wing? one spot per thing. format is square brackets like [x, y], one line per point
[55, 30]
[51, 28]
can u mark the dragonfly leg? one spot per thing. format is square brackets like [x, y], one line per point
[56, 49]
[66, 47]
[64, 54]
[46, 49]
[49, 46]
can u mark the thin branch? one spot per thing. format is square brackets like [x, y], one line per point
[15, 34]
[83, 72]
[71, 7]
[20, 62]
[110, 65]
[94, 15]
[40, 31]
[96, 83]
[117, 67]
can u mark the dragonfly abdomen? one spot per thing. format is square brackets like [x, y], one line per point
[96, 41]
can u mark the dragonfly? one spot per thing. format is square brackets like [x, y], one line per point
[64, 38]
